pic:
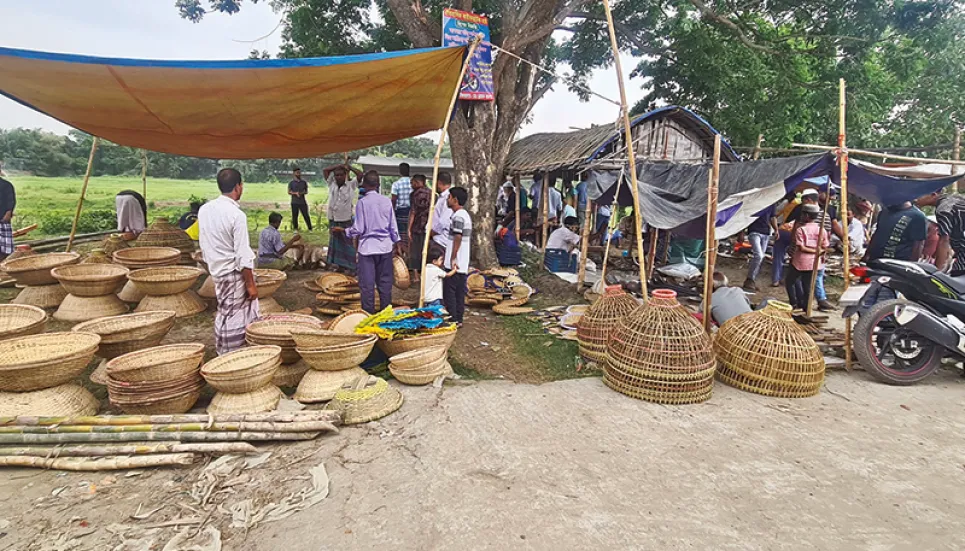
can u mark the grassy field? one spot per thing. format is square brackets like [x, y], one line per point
[51, 202]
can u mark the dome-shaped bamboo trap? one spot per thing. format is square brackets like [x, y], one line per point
[321, 386]
[114, 242]
[768, 353]
[91, 291]
[41, 296]
[600, 319]
[162, 233]
[660, 353]
[169, 288]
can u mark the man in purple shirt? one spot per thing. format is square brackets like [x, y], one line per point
[378, 239]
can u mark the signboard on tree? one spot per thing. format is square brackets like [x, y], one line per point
[458, 29]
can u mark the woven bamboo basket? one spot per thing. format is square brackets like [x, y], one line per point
[42, 361]
[296, 317]
[67, 400]
[400, 273]
[416, 359]
[407, 344]
[260, 400]
[268, 281]
[178, 401]
[90, 280]
[269, 306]
[158, 363]
[368, 399]
[77, 309]
[206, 291]
[342, 356]
[329, 309]
[476, 282]
[319, 338]
[600, 319]
[165, 280]
[34, 270]
[243, 370]
[129, 332]
[660, 353]
[185, 304]
[768, 353]
[421, 375]
[146, 257]
[277, 332]
[130, 293]
[41, 296]
[162, 233]
[321, 386]
[289, 375]
[348, 321]
[113, 243]
[20, 320]
[96, 256]
[120, 391]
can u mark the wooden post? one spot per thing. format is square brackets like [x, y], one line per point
[544, 206]
[845, 239]
[757, 148]
[144, 174]
[584, 245]
[652, 254]
[518, 188]
[710, 244]
[83, 192]
[435, 166]
[957, 153]
[820, 253]
[630, 149]
[614, 208]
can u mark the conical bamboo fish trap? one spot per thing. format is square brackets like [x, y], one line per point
[41, 296]
[768, 353]
[78, 309]
[660, 353]
[600, 319]
[162, 233]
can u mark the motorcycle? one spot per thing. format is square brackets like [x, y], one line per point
[903, 340]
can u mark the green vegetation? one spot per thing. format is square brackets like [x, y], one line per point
[554, 359]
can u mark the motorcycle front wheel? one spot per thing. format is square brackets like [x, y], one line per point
[891, 353]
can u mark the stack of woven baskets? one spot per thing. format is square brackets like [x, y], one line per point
[156, 381]
[126, 333]
[277, 330]
[367, 399]
[267, 282]
[32, 273]
[340, 293]
[162, 233]
[37, 374]
[91, 291]
[334, 360]
[767, 352]
[660, 353]
[243, 379]
[20, 320]
[140, 258]
[420, 366]
[168, 288]
[595, 325]
[400, 273]
[206, 290]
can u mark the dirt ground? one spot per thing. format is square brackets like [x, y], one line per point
[565, 465]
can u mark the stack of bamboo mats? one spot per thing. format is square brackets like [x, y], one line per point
[116, 442]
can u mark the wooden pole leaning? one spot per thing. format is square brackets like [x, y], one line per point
[544, 204]
[144, 174]
[710, 244]
[518, 188]
[628, 131]
[845, 238]
[614, 208]
[435, 166]
[83, 192]
[819, 254]
[756, 154]
[584, 246]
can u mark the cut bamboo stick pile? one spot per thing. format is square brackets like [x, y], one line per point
[102, 450]
[69, 438]
[114, 420]
[101, 463]
[309, 426]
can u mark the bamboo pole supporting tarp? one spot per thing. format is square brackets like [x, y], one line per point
[155, 437]
[114, 420]
[519, 188]
[435, 166]
[652, 254]
[820, 252]
[889, 156]
[584, 245]
[544, 206]
[103, 450]
[614, 209]
[144, 173]
[710, 244]
[83, 192]
[100, 463]
[628, 131]
[757, 148]
[846, 238]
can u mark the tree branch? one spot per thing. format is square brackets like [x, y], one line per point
[638, 43]
[414, 21]
[708, 13]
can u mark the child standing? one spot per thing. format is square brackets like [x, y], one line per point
[798, 281]
[435, 275]
[457, 255]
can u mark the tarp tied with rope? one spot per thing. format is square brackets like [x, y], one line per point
[249, 109]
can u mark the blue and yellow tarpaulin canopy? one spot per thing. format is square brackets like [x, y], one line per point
[250, 109]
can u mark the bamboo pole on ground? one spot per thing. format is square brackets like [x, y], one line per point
[106, 450]
[90, 437]
[83, 192]
[757, 148]
[435, 166]
[114, 420]
[584, 246]
[100, 463]
[628, 131]
[710, 244]
[519, 187]
[819, 254]
[544, 206]
[890, 156]
[144, 173]
[307, 426]
[845, 239]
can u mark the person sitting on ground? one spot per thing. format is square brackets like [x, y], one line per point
[435, 275]
[950, 215]
[565, 239]
[271, 247]
[900, 233]
[131, 212]
[727, 302]
[798, 281]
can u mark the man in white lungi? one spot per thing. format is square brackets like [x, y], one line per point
[223, 236]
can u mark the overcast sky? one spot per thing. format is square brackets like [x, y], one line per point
[152, 29]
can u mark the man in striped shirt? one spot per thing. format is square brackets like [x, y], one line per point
[950, 214]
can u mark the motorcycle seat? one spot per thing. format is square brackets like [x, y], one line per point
[956, 284]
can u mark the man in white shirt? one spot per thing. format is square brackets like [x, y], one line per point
[223, 236]
[342, 195]
[563, 242]
[457, 255]
[442, 215]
